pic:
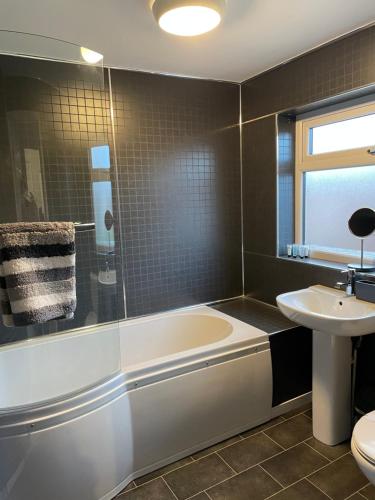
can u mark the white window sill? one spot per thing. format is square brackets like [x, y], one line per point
[315, 262]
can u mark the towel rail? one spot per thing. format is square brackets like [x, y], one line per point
[84, 226]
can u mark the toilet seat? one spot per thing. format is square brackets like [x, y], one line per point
[364, 437]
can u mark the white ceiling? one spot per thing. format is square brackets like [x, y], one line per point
[255, 35]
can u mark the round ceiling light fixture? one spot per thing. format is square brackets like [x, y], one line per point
[90, 56]
[188, 17]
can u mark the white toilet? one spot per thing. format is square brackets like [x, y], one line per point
[363, 445]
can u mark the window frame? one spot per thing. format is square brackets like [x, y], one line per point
[307, 162]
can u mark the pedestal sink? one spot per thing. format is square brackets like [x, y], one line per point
[334, 319]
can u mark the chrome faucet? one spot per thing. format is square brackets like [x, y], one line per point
[349, 286]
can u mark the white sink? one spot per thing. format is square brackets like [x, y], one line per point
[334, 319]
[328, 310]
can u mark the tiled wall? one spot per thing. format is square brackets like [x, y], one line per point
[59, 111]
[285, 181]
[339, 67]
[347, 65]
[178, 146]
[178, 150]
[259, 184]
[179, 209]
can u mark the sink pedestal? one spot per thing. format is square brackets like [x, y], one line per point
[334, 318]
[332, 358]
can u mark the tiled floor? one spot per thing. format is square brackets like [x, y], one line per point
[279, 460]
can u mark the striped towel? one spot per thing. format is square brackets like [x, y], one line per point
[37, 272]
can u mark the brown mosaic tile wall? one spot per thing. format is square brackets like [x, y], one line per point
[339, 67]
[178, 149]
[323, 74]
[179, 174]
[59, 111]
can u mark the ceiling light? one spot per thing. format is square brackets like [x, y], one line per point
[90, 56]
[188, 17]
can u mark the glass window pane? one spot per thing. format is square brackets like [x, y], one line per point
[340, 136]
[331, 196]
[102, 199]
[100, 157]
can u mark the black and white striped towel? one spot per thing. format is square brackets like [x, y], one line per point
[37, 272]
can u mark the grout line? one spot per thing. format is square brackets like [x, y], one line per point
[118, 220]
[226, 463]
[271, 476]
[165, 473]
[321, 454]
[277, 454]
[245, 470]
[302, 412]
[326, 465]
[278, 444]
[283, 451]
[242, 438]
[196, 494]
[317, 487]
[215, 484]
[293, 484]
[252, 466]
[124, 492]
[169, 488]
[276, 493]
[241, 194]
[261, 466]
[218, 450]
[308, 475]
[261, 430]
[218, 483]
[359, 493]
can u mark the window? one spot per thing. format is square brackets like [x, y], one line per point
[335, 175]
[102, 197]
[100, 157]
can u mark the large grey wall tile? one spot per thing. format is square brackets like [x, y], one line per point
[285, 182]
[259, 186]
[266, 277]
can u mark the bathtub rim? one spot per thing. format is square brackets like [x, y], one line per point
[242, 335]
[115, 323]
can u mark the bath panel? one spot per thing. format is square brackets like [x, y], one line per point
[155, 411]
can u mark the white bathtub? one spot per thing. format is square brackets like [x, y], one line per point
[81, 428]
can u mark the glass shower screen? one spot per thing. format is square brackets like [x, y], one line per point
[56, 165]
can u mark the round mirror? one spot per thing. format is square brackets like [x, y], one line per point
[362, 222]
[108, 220]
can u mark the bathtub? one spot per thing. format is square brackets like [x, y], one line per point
[85, 412]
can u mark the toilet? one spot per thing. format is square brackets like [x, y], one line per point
[363, 445]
